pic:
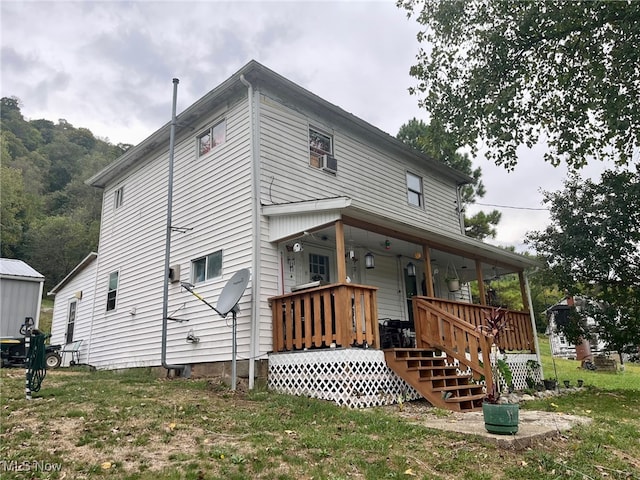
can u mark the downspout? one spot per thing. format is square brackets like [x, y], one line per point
[185, 370]
[459, 208]
[533, 320]
[255, 267]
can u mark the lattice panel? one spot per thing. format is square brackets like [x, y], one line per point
[352, 377]
[520, 371]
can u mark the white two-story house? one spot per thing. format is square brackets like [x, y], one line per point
[348, 234]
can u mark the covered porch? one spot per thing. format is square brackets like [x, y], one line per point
[345, 282]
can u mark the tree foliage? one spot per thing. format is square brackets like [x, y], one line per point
[516, 73]
[433, 140]
[592, 249]
[49, 217]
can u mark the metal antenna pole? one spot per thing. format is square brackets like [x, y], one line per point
[185, 370]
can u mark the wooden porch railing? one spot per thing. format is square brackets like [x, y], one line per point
[459, 339]
[343, 314]
[519, 336]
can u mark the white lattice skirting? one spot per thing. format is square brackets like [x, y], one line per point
[520, 369]
[351, 377]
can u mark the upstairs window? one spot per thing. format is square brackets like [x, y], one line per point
[206, 268]
[118, 197]
[414, 190]
[112, 291]
[212, 138]
[320, 144]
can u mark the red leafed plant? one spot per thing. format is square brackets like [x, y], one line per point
[496, 323]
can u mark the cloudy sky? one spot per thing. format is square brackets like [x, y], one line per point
[108, 66]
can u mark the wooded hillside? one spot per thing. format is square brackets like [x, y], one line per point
[48, 216]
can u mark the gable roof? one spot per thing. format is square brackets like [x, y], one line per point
[291, 95]
[17, 269]
[81, 266]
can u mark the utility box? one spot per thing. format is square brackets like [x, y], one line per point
[20, 295]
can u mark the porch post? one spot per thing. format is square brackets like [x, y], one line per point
[523, 290]
[533, 319]
[426, 253]
[482, 293]
[340, 252]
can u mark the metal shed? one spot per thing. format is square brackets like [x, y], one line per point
[20, 295]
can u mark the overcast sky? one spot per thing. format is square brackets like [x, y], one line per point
[108, 66]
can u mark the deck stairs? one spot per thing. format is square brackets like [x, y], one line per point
[438, 382]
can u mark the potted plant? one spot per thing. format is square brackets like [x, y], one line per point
[499, 417]
[451, 279]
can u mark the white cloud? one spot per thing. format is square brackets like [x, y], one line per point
[108, 66]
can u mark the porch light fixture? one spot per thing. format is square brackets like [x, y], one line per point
[369, 260]
[411, 269]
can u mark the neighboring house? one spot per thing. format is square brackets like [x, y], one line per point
[73, 308]
[20, 295]
[560, 346]
[341, 226]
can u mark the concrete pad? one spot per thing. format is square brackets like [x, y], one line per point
[534, 426]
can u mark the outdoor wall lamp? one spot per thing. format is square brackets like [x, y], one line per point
[369, 260]
[411, 269]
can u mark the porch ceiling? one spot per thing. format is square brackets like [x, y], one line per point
[367, 231]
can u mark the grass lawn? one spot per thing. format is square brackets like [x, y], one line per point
[133, 425]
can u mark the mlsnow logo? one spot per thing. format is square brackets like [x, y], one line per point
[29, 466]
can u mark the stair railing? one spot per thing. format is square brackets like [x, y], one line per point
[459, 340]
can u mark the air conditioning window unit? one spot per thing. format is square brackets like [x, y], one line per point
[329, 163]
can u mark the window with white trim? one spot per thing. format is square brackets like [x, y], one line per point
[212, 137]
[318, 268]
[414, 190]
[112, 291]
[206, 268]
[118, 197]
[319, 144]
[71, 320]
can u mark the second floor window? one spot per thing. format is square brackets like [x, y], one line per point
[414, 190]
[212, 137]
[206, 268]
[319, 144]
[118, 197]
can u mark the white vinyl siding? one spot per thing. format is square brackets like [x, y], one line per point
[81, 291]
[374, 179]
[213, 202]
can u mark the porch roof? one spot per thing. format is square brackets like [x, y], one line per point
[295, 219]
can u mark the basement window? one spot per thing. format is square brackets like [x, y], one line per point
[212, 137]
[206, 268]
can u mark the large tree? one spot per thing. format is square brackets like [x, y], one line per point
[592, 249]
[435, 141]
[510, 74]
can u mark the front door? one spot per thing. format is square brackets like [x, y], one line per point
[411, 290]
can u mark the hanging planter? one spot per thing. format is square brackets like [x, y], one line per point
[451, 278]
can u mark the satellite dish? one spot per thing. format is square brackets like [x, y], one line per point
[232, 292]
